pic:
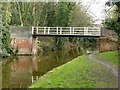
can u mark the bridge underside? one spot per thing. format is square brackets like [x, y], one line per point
[51, 35]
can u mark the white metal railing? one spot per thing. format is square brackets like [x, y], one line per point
[86, 31]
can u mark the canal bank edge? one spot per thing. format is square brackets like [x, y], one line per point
[78, 73]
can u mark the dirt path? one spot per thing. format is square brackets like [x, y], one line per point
[113, 70]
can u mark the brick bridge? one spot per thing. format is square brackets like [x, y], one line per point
[25, 38]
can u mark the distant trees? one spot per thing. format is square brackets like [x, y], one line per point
[51, 14]
[80, 17]
[113, 23]
[22, 13]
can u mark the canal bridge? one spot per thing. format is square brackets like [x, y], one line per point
[25, 38]
[63, 32]
[67, 31]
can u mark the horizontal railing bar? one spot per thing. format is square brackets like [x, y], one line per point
[74, 27]
[66, 29]
[75, 30]
[70, 27]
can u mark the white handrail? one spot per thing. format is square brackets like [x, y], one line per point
[57, 30]
[44, 30]
[32, 30]
[37, 30]
[93, 31]
[48, 30]
[60, 30]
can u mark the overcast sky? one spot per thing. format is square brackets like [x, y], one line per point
[96, 9]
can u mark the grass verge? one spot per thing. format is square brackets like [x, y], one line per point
[78, 73]
[111, 56]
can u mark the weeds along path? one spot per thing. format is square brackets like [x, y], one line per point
[112, 69]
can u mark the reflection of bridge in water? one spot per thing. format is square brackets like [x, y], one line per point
[22, 71]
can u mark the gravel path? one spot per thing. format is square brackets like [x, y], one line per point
[113, 70]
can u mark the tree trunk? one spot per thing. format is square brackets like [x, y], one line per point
[20, 14]
[36, 13]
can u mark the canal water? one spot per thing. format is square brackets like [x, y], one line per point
[25, 70]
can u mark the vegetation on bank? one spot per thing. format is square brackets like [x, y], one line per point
[78, 73]
[5, 31]
[5, 35]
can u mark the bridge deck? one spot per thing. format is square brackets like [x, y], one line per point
[48, 35]
[67, 31]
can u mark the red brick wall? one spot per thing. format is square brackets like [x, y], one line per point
[24, 45]
[106, 45]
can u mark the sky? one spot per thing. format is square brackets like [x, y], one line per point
[96, 9]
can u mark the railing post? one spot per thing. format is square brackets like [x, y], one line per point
[32, 79]
[85, 30]
[73, 30]
[37, 30]
[70, 30]
[32, 30]
[96, 31]
[60, 30]
[57, 30]
[44, 30]
[48, 30]
[100, 33]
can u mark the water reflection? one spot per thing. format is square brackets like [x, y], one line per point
[17, 73]
[24, 71]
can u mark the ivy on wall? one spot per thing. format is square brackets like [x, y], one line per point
[5, 18]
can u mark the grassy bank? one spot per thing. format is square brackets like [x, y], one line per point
[111, 56]
[78, 73]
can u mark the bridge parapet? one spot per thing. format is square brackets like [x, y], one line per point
[78, 31]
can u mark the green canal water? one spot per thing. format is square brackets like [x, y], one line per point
[25, 70]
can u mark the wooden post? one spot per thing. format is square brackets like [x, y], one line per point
[87, 31]
[100, 31]
[60, 30]
[73, 30]
[48, 30]
[70, 30]
[37, 31]
[44, 30]
[57, 30]
[32, 30]
[84, 30]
